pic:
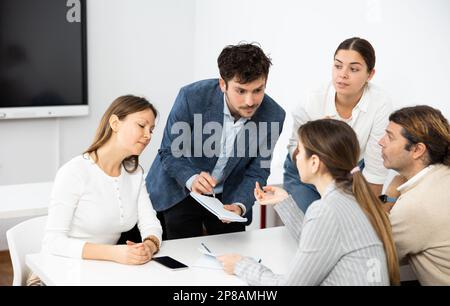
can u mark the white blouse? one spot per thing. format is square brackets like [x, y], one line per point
[369, 120]
[87, 205]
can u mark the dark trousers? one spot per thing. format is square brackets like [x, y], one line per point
[189, 218]
[133, 235]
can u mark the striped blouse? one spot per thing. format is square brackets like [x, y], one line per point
[337, 246]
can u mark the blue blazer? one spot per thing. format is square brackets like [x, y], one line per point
[166, 180]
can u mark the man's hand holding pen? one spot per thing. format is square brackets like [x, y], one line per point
[204, 183]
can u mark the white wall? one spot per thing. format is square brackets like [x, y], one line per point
[411, 39]
[143, 47]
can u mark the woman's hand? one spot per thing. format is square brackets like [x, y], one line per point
[397, 181]
[229, 262]
[132, 253]
[150, 246]
[391, 191]
[269, 195]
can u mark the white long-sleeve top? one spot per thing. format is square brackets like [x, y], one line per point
[369, 120]
[87, 205]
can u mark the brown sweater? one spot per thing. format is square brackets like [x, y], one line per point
[421, 225]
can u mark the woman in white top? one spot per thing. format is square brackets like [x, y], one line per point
[352, 99]
[345, 237]
[100, 194]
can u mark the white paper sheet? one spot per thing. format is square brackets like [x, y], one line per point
[216, 208]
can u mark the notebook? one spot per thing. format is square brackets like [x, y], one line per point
[216, 208]
[208, 262]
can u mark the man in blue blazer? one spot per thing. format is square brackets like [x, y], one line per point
[218, 141]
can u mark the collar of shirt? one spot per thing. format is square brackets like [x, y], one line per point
[414, 180]
[330, 109]
[330, 188]
[227, 113]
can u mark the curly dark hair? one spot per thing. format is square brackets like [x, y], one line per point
[246, 62]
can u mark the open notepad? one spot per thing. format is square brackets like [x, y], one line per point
[216, 208]
[208, 260]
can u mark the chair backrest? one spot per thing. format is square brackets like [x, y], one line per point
[24, 238]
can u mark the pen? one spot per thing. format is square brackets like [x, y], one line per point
[205, 247]
[213, 192]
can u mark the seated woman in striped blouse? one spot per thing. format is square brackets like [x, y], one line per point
[101, 193]
[345, 237]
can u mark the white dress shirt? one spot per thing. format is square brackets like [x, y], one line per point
[369, 120]
[230, 130]
[416, 178]
[87, 205]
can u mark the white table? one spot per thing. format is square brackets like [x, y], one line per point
[24, 200]
[273, 245]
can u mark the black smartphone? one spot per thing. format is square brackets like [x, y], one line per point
[170, 263]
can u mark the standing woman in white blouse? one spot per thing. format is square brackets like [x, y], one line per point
[352, 99]
[100, 194]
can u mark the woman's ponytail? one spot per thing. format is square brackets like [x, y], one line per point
[373, 209]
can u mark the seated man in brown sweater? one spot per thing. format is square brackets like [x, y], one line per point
[416, 145]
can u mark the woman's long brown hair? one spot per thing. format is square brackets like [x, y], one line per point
[336, 145]
[121, 107]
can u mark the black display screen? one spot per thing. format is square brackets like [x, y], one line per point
[42, 53]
